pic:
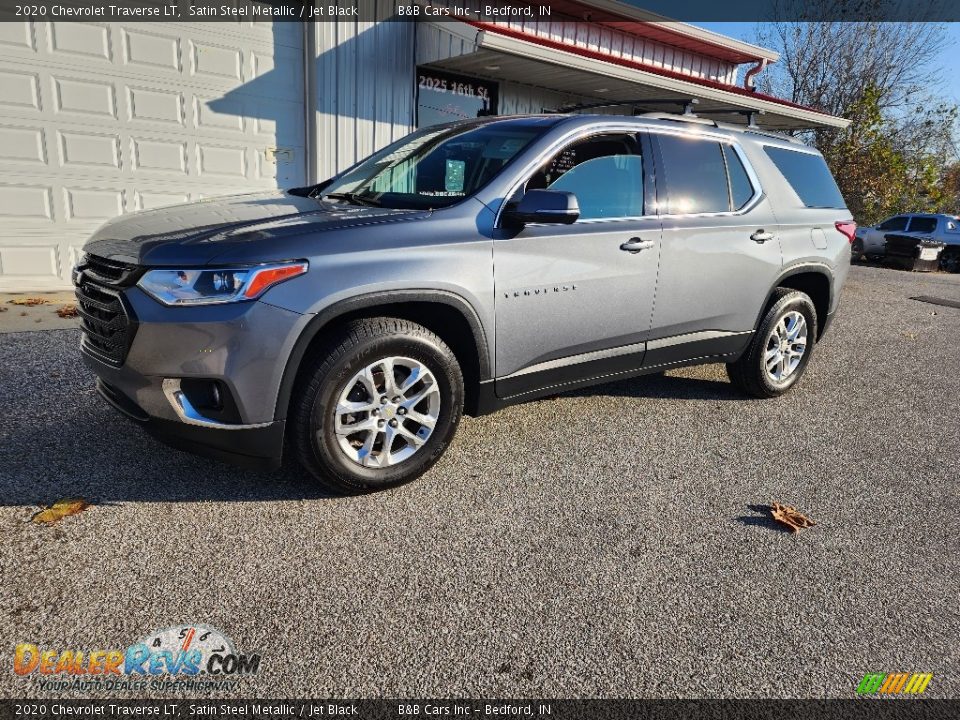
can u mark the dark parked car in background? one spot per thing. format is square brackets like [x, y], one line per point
[870, 241]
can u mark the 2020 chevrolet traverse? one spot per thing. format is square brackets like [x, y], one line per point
[464, 268]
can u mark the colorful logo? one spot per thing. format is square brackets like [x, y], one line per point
[894, 683]
[184, 650]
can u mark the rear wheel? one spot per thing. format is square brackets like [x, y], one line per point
[950, 260]
[377, 406]
[781, 347]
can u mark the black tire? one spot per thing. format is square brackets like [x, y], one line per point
[749, 373]
[325, 375]
[950, 260]
[856, 250]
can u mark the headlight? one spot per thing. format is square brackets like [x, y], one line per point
[206, 287]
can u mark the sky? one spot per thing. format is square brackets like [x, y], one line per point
[950, 61]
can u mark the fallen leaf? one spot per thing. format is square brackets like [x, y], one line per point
[68, 311]
[59, 510]
[29, 301]
[791, 517]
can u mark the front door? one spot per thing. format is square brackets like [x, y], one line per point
[574, 301]
[875, 239]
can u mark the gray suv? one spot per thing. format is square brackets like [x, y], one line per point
[464, 268]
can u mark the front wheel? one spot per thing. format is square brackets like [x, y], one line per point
[781, 347]
[377, 406]
[950, 260]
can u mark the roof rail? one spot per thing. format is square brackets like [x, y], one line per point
[775, 134]
[749, 113]
[678, 118]
[686, 103]
[688, 113]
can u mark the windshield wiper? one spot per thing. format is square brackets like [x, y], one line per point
[355, 198]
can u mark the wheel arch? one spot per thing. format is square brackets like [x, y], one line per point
[814, 279]
[445, 313]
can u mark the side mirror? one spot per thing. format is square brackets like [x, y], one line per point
[544, 206]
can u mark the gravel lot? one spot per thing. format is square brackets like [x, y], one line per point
[597, 544]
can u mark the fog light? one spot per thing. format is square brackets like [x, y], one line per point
[203, 394]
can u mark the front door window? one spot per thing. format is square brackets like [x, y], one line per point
[605, 173]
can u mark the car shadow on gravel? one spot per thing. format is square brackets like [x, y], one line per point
[104, 458]
[664, 387]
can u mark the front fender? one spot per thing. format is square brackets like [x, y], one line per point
[383, 299]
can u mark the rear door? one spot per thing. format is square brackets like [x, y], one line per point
[720, 253]
[572, 302]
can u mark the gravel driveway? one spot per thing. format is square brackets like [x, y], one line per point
[603, 543]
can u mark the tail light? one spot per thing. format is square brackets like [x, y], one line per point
[848, 228]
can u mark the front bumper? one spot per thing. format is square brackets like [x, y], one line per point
[257, 447]
[243, 347]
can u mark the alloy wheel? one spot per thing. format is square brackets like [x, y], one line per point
[387, 412]
[786, 345]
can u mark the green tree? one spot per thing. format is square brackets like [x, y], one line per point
[880, 170]
[897, 154]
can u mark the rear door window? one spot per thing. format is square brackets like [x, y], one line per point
[695, 173]
[923, 224]
[809, 177]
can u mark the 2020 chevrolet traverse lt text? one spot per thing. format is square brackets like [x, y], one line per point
[463, 268]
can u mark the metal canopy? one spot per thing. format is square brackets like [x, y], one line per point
[589, 80]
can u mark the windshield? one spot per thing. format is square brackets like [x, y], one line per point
[434, 167]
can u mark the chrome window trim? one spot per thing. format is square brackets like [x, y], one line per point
[758, 192]
[695, 133]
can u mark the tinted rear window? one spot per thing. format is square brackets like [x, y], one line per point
[809, 176]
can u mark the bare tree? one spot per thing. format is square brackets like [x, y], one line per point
[829, 65]
[885, 78]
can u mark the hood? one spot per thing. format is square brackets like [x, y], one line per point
[253, 225]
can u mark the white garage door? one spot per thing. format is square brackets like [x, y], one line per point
[102, 119]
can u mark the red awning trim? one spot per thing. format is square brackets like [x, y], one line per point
[633, 64]
[584, 12]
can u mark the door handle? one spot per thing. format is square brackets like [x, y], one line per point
[761, 236]
[635, 245]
